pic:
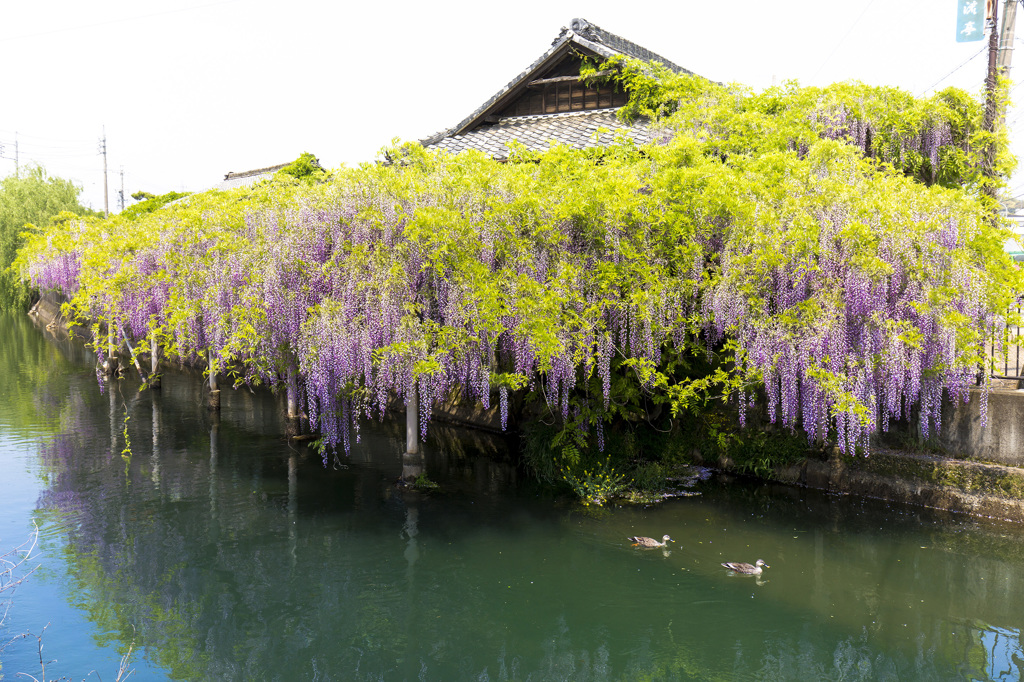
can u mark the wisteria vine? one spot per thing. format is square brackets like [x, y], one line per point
[848, 293]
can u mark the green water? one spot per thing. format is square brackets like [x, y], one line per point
[223, 552]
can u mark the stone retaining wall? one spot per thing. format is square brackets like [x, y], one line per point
[976, 488]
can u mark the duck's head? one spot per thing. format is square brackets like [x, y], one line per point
[666, 538]
[760, 563]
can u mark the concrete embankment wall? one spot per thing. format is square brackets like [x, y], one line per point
[977, 488]
[967, 467]
[47, 309]
[1001, 440]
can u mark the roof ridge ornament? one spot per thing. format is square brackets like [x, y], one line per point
[585, 29]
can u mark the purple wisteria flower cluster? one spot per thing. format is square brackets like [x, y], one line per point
[845, 292]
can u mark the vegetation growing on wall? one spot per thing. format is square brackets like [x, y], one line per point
[826, 248]
[306, 167]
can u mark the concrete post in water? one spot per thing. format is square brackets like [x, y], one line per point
[214, 402]
[412, 460]
[132, 354]
[154, 360]
[111, 365]
[292, 398]
[412, 422]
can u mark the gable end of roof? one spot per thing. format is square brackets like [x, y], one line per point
[581, 34]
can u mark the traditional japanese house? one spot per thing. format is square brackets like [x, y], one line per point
[548, 103]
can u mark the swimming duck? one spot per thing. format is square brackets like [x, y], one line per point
[641, 541]
[747, 569]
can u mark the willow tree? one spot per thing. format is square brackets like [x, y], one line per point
[28, 199]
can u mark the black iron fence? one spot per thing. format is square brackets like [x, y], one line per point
[1006, 345]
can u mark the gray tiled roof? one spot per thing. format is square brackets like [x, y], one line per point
[578, 129]
[616, 44]
[537, 131]
[250, 177]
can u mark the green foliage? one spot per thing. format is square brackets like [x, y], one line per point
[126, 452]
[149, 203]
[306, 167]
[761, 452]
[650, 476]
[14, 292]
[26, 200]
[593, 484]
[889, 124]
[424, 483]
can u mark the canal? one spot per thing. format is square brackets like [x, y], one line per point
[219, 550]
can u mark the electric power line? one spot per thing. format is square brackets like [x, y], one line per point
[971, 59]
[848, 32]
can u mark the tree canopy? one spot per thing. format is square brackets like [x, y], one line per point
[27, 200]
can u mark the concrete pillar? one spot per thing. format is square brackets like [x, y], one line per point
[111, 365]
[214, 401]
[292, 391]
[154, 360]
[412, 460]
[412, 422]
[292, 425]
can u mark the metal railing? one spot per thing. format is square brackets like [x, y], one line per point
[1008, 357]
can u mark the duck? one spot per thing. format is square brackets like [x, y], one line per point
[747, 569]
[641, 541]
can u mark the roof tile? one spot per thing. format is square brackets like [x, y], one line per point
[576, 129]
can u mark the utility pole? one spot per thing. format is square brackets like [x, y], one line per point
[121, 193]
[103, 150]
[1006, 37]
[989, 159]
[1000, 54]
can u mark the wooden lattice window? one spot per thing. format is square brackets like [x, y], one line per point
[563, 95]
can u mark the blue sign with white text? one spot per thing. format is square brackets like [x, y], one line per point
[970, 20]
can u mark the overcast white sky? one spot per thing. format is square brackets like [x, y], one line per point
[187, 91]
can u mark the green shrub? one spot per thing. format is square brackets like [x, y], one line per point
[594, 484]
[760, 452]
